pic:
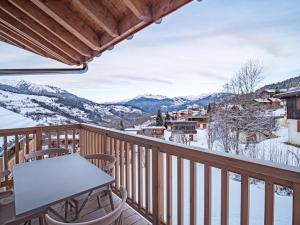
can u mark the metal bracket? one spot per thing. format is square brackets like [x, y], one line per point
[47, 71]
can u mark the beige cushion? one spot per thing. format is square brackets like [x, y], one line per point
[99, 213]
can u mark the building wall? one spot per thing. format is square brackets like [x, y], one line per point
[294, 135]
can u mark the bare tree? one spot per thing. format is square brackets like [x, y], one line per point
[246, 79]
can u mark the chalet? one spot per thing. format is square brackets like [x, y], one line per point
[201, 121]
[269, 93]
[269, 103]
[154, 131]
[185, 129]
[293, 114]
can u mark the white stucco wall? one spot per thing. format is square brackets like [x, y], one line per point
[294, 135]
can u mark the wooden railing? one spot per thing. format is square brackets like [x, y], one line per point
[20, 141]
[145, 167]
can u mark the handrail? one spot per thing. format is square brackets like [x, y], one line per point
[214, 158]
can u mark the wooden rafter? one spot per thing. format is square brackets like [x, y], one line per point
[58, 10]
[13, 36]
[34, 38]
[39, 30]
[98, 13]
[139, 8]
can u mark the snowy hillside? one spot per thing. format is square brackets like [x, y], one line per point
[151, 103]
[52, 105]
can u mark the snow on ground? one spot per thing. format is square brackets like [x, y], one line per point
[11, 119]
[269, 149]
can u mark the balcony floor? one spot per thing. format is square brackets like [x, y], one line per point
[130, 216]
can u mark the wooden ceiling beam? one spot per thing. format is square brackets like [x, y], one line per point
[166, 7]
[33, 37]
[98, 13]
[11, 35]
[39, 30]
[139, 8]
[52, 26]
[11, 41]
[60, 11]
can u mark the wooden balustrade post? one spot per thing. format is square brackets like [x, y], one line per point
[38, 140]
[157, 186]
[296, 204]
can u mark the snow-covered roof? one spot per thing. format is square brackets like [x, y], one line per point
[262, 100]
[11, 119]
[274, 99]
[153, 128]
[288, 94]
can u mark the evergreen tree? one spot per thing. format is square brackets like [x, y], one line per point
[159, 119]
[167, 119]
[122, 125]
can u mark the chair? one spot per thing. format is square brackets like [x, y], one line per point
[47, 153]
[7, 206]
[97, 217]
[106, 163]
[6, 196]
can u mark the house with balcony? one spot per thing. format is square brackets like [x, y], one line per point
[292, 99]
[85, 174]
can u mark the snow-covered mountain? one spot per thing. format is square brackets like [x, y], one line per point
[51, 105]
[151, 103]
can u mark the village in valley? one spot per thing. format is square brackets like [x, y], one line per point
[262, 124]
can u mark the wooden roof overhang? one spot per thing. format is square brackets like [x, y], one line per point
[75, 31]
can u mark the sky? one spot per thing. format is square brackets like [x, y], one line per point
[194, 51]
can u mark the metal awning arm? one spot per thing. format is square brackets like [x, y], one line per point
[36, 71]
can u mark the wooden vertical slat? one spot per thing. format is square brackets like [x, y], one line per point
[58, 138]
[296, 204]
[105, 144]
[157, 187]
[140, 176]
[133, 172]
[66, 139]
[180, 190]
[74, 140]
[269, 202]
[147, 162]
[224, 197]
[193, 192]
[169, 189]
[38, 139]
[5, 154]
[122, 163]
[207, 195]
[244, 200]
[17, 148]
[81, 141]
[49, 139]
[117, 142]
[127, 161]
[27, 143]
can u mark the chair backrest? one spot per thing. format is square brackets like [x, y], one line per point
[113, 217]
[40, 154]
[4, 173]
[109, 161]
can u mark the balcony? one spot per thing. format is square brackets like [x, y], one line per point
[157, 174]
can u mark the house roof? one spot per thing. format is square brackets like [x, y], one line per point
[288, 94]
[76, 31]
